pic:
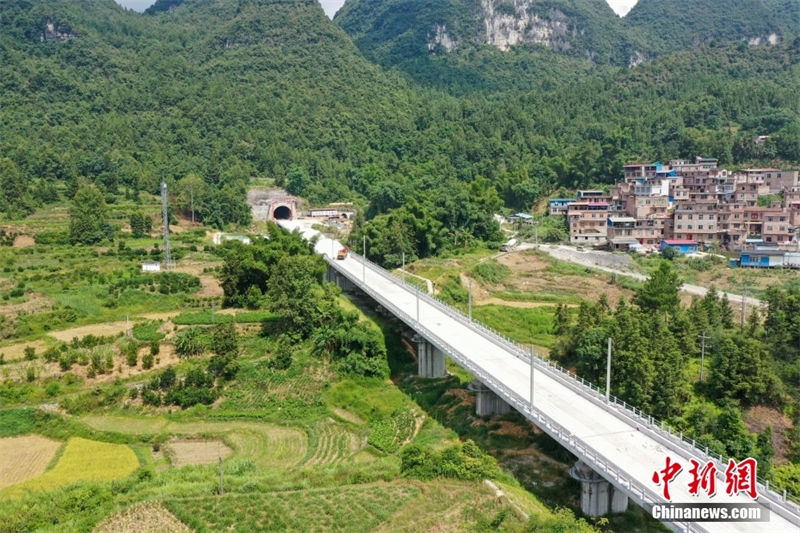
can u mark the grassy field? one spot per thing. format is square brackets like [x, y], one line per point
[82, 460]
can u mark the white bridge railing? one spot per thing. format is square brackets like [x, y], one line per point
[658, 430]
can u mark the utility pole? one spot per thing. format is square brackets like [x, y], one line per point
[702, 354]
[469, 300]
[403, 270]
[533, 356]
[165, 217]
[744, 294]
[364, 262]
[191, 195]
[417, 304]
[608, 372]
[221, 486]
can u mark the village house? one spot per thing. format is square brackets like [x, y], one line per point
[696, 202]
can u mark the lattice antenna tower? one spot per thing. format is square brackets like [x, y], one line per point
[165, 217]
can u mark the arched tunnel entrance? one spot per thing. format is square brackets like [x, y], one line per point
[282, 212]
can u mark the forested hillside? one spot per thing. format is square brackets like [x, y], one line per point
[670, 25]
[209, 94]
[393, 32]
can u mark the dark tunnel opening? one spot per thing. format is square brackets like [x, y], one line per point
[282, 212]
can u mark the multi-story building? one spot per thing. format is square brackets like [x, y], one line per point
[587, 222]
[686, 201]
[776, 181]
[558, 206]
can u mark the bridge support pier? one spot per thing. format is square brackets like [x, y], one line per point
[429, 358]
[331, 275]
[487, 403]
[598, 496]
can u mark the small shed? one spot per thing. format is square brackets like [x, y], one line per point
[682, 246]
[151, 266]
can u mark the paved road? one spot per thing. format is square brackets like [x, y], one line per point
[622, 265]
[633, 451]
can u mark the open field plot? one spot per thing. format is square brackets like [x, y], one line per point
[147, 517]
[83, 460]
[269, 445]
[23, 458]
[15, 352]
[350, 508]
[196, 452]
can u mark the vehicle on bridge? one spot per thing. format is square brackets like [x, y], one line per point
[342, 254]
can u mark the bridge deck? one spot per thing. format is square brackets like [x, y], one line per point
[623, 450]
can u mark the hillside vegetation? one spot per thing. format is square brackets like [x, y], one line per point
[212, 94]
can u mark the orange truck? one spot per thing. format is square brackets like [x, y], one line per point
[342, 254]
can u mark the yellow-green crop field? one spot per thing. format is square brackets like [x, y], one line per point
[82, 460]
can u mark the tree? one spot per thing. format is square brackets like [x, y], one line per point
[660, 292]
[87, 217]
[141, 224]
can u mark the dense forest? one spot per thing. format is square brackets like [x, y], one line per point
[657, 344]
[211, 94]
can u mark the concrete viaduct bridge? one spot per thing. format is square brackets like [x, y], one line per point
[619, 447]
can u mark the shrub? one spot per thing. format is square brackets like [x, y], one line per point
[30, 353]
[191, 342]
[150, 397]
[491, 271]
[147, 360]
[148, 331]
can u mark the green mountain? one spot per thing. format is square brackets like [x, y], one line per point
[393, 31]
[212, 93]
[669, 25]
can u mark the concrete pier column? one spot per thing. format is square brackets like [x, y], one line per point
[598, 496]
[430, 359]
[333, 276]
[487, 403]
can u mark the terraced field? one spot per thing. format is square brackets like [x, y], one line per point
[83, 460]
[350, 508]
[24, 458]
[333, 443]
[269, 445]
